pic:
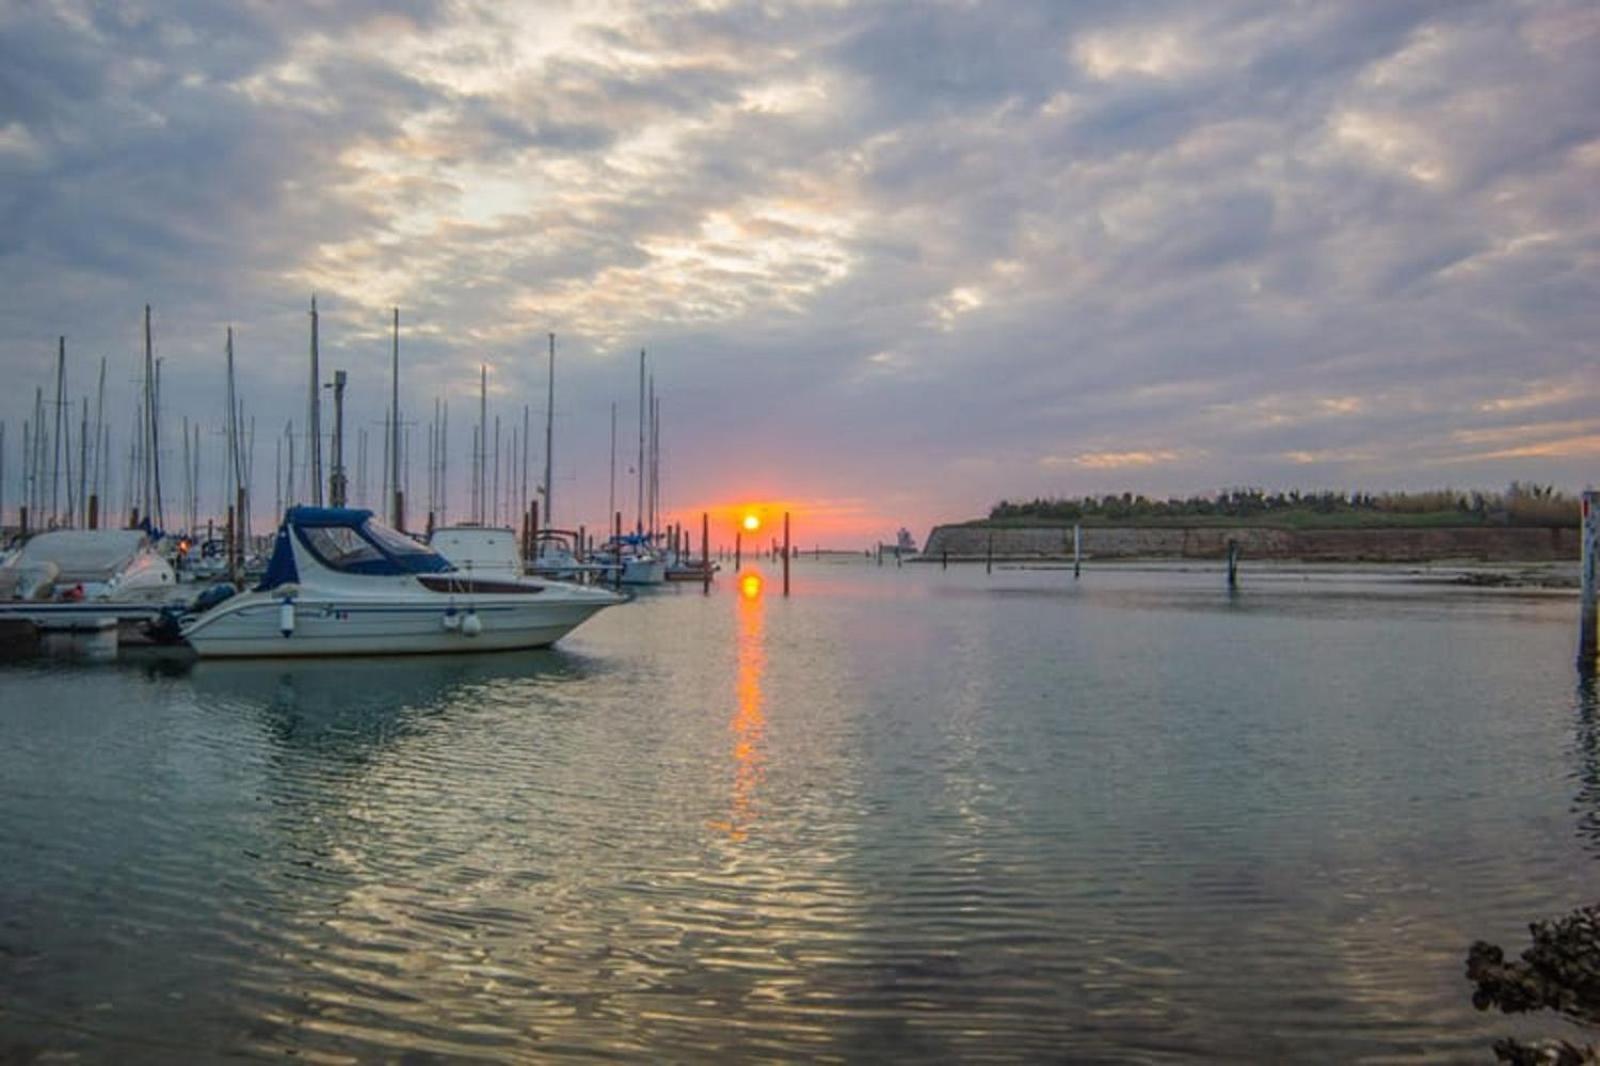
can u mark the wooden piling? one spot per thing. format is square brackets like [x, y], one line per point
[786, 553]
[988, 554]
[1589, 581]
[233, 547]
[1233, 564]
[240, 533]
[583, 534]
[94, 512]
[944, 559]
[22, 520]
[705, 552]
[1077, 551]
[738, 550]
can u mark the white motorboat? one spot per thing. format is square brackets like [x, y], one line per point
[91, 572]
[641, 563]
[342, 583]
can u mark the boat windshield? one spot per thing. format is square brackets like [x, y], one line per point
[371, 548]
[341, 547]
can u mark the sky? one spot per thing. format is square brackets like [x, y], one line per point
[891, 263]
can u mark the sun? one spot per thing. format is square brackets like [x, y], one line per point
[751, 523]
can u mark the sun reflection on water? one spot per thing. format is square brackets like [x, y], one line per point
[749, 722]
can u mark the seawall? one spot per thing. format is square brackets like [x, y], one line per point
[1484, 544]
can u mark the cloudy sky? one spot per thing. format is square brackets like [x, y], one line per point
[891, 262]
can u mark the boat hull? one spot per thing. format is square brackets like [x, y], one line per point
[344, 626]
[639, 571]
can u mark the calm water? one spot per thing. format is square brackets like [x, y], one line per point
[906, 814]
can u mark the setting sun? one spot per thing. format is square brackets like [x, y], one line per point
[751, 523]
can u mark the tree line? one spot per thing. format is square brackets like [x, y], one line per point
[1521, 504]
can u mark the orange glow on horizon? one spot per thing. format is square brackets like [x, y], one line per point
[843, 523]
[751, 523]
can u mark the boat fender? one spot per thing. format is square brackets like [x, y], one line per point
[286, 616]
[451, 620]
[471, 625]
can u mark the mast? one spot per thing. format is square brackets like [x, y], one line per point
[394, 424]
[152, 437]
[522, 497]
[483, 440]
[55, 469]
[549, 439]
[444, 463]
[99, 432]
[639, 510]
[194, 502]
[338, 483]
[314, 416]
[611, 507]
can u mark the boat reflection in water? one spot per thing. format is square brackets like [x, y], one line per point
[322, 703]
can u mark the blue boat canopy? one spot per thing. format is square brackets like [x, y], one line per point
[348, 540]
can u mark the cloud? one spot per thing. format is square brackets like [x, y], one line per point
[876, 252]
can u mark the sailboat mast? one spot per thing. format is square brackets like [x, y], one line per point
[639, 508]
[611, 507]
[99, 428]
[394, 423]
[314, 416]
[549, 440]
[55, 469]
[483, 441]
[147, 474]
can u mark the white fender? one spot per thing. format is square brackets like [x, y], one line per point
[471, 625]
[286, 616]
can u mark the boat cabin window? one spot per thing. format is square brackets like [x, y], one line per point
[396, 543]
[340, 547]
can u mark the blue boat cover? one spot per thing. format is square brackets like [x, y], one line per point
[388, 553]
[353, 517]
[281, 569]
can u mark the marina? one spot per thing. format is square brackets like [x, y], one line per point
[910, 812]
[800, 532]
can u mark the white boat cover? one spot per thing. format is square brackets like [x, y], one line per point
[84, 555]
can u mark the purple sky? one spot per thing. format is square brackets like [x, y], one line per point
[892, 262]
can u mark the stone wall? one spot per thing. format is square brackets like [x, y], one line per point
[1494, 544]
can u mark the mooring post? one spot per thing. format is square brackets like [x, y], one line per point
[944, 559]
[1588, 580]
[1077, 551]
[988, 554]
[786, 553]
[583, 535]
[705, 553]
[94, 512]
[233, 547]
[738, 550]
[1233, 564]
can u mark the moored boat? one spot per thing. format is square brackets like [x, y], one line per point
[342, 583]
[90, 572]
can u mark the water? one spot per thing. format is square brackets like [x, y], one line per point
[907, 813]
